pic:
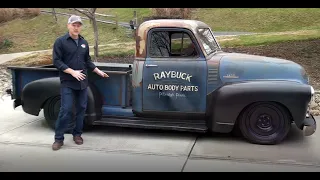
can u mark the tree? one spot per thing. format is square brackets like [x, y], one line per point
[90, 13]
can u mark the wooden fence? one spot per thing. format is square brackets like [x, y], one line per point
[115, 21]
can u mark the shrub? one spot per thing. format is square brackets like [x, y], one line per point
[8, 14]
[174, 13]
[5, 43]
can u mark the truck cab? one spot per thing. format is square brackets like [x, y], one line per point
[181, 80]
[170, 71]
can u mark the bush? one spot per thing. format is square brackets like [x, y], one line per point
[5, 43]
[8, 14]
[174, 13]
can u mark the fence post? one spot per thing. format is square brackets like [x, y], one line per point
[116, 16]
[54, 14]
[135, 17]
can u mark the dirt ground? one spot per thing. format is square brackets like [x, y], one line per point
[305, 53]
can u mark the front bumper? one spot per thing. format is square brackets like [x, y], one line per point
[310, 125]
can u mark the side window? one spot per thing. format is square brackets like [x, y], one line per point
[208, 41]
[171, 44]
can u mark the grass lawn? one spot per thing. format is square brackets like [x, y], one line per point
[260, 19]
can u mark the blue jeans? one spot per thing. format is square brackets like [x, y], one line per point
[68, 96]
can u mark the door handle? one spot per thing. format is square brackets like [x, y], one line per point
[151, 65]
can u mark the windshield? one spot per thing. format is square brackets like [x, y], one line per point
[208, 41]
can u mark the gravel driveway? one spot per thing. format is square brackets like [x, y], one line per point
[5, 80]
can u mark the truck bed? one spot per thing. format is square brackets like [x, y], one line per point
[114, 90]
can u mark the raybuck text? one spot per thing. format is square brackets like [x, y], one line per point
[172, 75]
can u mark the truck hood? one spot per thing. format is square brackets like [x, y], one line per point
[244, 67]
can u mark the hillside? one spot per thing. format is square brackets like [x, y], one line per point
[39, 33]
[260, 19]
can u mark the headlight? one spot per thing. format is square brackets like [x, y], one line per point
[312, 94]
[312, 90]
[311, 101]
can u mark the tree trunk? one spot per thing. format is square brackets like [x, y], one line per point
[96, 40]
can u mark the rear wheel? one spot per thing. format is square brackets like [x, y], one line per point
[265, 123]
[51, 111]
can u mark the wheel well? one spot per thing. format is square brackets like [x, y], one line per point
[46, 100]
[247, 106]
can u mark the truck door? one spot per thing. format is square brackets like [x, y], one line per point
[174, 74]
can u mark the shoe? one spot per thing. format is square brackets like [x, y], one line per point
[57, 145]
[78, 140]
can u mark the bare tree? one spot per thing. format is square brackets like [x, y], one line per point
[90, 13]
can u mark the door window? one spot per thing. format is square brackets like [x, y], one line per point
[174, 44]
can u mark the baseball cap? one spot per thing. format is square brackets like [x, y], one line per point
[74, 18]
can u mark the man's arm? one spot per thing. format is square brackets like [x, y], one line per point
[57, 57]
[92, 66]
[60, 65]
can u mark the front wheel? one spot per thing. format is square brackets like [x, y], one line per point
[51, 111]
[265, 123]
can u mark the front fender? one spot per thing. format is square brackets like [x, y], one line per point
[230, 100]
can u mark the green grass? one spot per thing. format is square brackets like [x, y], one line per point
[259, 19]
[40, 32]
[125, 14]
[269, 38]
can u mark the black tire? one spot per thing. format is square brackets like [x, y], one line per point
[265, 123]
[51, 112]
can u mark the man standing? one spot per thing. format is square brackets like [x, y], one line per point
[71, 57]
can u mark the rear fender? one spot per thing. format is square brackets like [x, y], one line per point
[36, 93]
[227, 102]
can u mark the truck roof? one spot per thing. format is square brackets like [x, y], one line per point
[179, 23]
[142, 31]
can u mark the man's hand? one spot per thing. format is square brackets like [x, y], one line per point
[78, 75]
[100, 73]
[75, 73]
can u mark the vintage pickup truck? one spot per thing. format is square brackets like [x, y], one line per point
[181, 80]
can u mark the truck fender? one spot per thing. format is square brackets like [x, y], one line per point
[36, 93]
[227, 103]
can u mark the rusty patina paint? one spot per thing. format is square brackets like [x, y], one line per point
[143, 29]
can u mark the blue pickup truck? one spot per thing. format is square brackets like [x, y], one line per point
[181, 80]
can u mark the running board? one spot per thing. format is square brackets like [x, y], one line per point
[182, 125]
